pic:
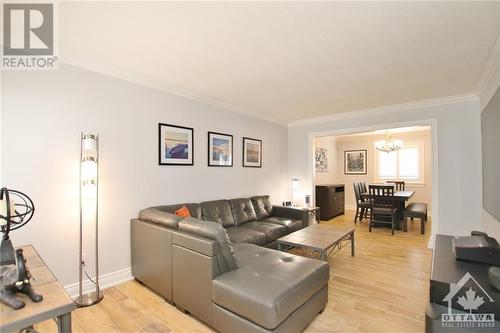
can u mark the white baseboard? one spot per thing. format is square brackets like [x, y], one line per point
[430, 244]
[105, 281]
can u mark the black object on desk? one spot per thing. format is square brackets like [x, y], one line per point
[477, 248]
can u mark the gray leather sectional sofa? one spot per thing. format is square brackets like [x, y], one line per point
[215, 264]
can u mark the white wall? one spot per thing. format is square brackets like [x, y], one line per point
[490, 225]
[43, 114]
[423, 192]
[457, 208]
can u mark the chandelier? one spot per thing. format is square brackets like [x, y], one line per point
[389, 144]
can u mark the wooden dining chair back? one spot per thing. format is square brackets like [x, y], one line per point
[398, 184]
[363, 187]
[383, 206]
[357, 192]
[362, 206]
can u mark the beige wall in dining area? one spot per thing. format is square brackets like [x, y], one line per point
[423, 192]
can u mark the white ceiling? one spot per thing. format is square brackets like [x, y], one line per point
[400, 130]
[288, 60]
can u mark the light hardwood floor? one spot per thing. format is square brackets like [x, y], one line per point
[384, 288]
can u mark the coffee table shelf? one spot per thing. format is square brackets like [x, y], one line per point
[321, 238]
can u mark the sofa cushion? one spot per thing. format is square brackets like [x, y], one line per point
[262, 205]
[194, 209]
[271, 230]
[213, 231]
[183, 212]
[217, 211]
[242, 210]
[157, 216]
[268, 285]
[291, 225]
[245, 235]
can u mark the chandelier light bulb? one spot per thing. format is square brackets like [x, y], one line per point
[389, 144]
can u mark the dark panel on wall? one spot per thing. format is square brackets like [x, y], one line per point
[490, 128]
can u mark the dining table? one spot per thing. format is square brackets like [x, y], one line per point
[401, 197]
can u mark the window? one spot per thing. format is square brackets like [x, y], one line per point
[403, 164]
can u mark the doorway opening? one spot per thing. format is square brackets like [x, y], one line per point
[404, 153]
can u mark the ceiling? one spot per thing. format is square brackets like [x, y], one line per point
[288, 61]
[399, 130]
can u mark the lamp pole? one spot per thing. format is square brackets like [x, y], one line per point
[89, 185]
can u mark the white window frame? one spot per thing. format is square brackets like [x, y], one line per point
[419, 181]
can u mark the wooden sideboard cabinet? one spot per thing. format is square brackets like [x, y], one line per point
[330, 198]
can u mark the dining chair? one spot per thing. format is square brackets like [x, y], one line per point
[362, 206]
[383, 206]
[398, 184]
[363, 187]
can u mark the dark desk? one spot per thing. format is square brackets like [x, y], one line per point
[446, 269]
[449, 281]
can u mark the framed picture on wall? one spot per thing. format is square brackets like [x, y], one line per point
[321, 157]
[220, 149]
[252, 153]
[355, 162]
[175, 145]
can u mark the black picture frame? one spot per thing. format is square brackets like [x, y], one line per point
[163, 160]
[210, 162]
[365, 162]
[249, 164]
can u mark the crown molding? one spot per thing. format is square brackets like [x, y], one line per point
[490, 80]
[120, 73]
[141, 79]
[387, 109]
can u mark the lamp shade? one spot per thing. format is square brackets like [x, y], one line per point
[4, 211]
[89, 142]
[89, 169]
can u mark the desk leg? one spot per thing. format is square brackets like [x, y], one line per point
[64, 323]
[352, 244]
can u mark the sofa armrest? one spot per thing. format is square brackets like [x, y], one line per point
[151, 256]
[195, 264]
[293, 213]
[195, 243]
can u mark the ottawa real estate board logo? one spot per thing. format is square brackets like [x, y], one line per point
[467, 294]
[29, 36]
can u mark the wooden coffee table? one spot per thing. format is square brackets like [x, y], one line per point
[56, 302]
[324, 239]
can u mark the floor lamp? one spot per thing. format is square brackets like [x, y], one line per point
[89, 209]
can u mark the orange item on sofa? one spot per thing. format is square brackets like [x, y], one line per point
[184, 212]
